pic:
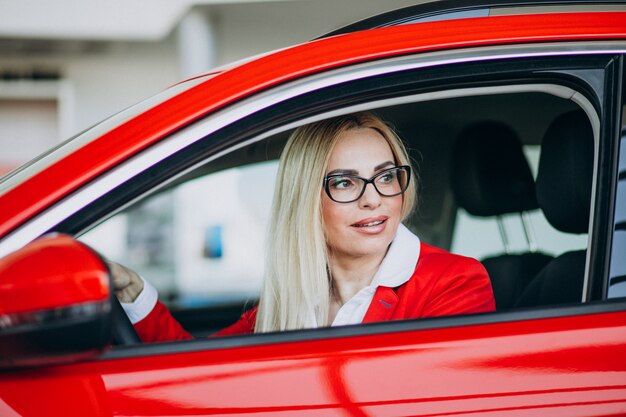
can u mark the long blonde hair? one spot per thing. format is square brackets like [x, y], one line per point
[296, 288]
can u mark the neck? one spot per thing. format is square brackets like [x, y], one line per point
[351, 274]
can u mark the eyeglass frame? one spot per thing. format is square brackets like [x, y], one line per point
[366, 181]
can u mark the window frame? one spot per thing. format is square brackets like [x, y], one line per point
[325, 102]
[619, 126]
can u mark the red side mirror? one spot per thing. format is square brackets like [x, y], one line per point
[54, 303]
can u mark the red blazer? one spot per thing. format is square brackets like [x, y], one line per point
[443, 284]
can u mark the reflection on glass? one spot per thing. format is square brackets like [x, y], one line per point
[617, 274]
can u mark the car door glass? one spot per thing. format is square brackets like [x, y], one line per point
[617, 279]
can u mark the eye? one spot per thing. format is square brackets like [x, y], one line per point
[341, 183]
[387, 177]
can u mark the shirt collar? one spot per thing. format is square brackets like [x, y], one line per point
[401, 259]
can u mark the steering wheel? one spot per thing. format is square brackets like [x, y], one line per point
[124, 333]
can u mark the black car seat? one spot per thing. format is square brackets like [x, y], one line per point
[491, 177]
[564, 194]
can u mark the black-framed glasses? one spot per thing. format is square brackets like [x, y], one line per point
[346, 188]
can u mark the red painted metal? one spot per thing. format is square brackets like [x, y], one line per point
[35, 194]
[549, 367]
[51, 272]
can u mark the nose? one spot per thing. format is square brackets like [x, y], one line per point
[370, 198]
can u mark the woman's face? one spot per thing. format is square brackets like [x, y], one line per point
[367, 226]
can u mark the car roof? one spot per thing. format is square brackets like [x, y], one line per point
[458, 9]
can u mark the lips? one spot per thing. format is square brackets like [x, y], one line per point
[371, 222]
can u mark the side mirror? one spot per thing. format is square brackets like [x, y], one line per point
[54, 303]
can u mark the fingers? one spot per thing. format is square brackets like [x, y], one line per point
[120, 277]
[126, 283]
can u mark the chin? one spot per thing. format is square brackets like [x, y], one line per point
[369, 247]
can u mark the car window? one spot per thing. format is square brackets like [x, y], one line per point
[199, 237]
[200, 242]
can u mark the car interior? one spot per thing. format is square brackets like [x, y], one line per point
[471, 155]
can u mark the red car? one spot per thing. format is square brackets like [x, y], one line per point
[510, 109]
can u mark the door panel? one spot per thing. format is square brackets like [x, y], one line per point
[560, 366]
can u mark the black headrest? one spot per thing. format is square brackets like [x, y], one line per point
[566, 172]
[490, 174]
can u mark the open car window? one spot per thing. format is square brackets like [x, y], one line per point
[200, 243]
[200, 240]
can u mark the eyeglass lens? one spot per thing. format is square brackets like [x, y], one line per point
[348, 188]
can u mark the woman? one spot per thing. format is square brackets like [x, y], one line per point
[338, 253]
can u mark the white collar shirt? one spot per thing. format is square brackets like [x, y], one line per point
[397, 267]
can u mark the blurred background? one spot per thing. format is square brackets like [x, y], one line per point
[67, 64]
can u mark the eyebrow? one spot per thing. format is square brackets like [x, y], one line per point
[355, 172]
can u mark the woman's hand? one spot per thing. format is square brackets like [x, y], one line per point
[126, 283]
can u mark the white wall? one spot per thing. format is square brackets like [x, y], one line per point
[108, 83]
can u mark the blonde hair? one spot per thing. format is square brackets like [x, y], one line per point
[296, 288]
